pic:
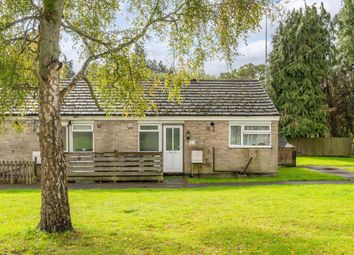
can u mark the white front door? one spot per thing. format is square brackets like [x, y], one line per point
[173, 149]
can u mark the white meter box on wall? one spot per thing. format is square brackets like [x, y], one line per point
[197, 157]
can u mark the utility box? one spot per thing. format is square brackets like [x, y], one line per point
[197, 157]
[36, 156]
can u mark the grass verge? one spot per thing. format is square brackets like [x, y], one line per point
[279, 219]
[325, 161]
[284, 174]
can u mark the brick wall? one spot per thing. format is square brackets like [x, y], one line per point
[18, 146]
[122, 135]
[227, 159]
[108, 136]
[113, 135]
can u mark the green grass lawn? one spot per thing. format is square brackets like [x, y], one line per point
[284, 174]
[325, 161]
[304, 219]
[348, 168]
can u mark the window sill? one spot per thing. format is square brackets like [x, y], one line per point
[250, 147]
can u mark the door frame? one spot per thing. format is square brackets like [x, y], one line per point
[181, 137]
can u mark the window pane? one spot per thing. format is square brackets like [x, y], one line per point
[82, 141]
[64, 137]
[148, 127]
[236, 135]
[169, 139]
[256, 139]
[176, 139]
[82, 127]
[266, 128]
[149, 141]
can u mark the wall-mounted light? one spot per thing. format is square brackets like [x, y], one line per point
[212, 124]
[188, 135]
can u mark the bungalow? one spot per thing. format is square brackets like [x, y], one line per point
[231, 126]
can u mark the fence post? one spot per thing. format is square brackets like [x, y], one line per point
[33, 173]
[2, 165]
[11, 173]
[26, 171]
[1, 171]
[35, 169]
[6, 172]
[22, 172]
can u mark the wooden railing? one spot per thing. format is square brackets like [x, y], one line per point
[115, 166]
[17, 172]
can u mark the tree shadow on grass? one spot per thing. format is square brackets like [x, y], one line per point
[97, 241]
[217, 240]
[234, 240]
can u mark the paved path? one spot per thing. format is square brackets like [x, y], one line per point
[333, 170]
[181, 182]
[169, 185]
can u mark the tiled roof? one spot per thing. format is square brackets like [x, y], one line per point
[199, 98]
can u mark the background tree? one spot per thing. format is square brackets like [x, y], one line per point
[340, 85]
[246, 72]
[152, 64]
[30, 33]
[67, 71]
[298, 65]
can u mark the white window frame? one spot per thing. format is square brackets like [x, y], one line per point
[255, 132]
[72, 135]
[159, 130]
[67, 137]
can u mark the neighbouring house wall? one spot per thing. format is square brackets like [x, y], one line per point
[227, 159]
[109, 135]
[19, 146]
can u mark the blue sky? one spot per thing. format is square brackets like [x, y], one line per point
[253, 52]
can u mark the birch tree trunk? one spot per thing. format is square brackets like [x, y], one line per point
[55, 211]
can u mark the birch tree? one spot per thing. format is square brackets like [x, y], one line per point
[104, 33]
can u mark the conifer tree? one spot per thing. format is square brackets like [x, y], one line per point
[299, 63]
[340, 87]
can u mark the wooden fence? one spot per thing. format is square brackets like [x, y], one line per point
[329, 146]
[17, 172]
[115, 166]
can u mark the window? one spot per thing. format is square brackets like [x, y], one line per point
[82, 137]
[235, 138]
[65, 137]
[250, 135]
[149, 137]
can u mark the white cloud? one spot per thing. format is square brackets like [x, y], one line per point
[253, 52]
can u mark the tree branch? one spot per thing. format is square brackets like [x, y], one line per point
[135, 38]
[66, 91]
[82, 34]
[92, 92]
[33, 4]
[14, 23]
[151, 21]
